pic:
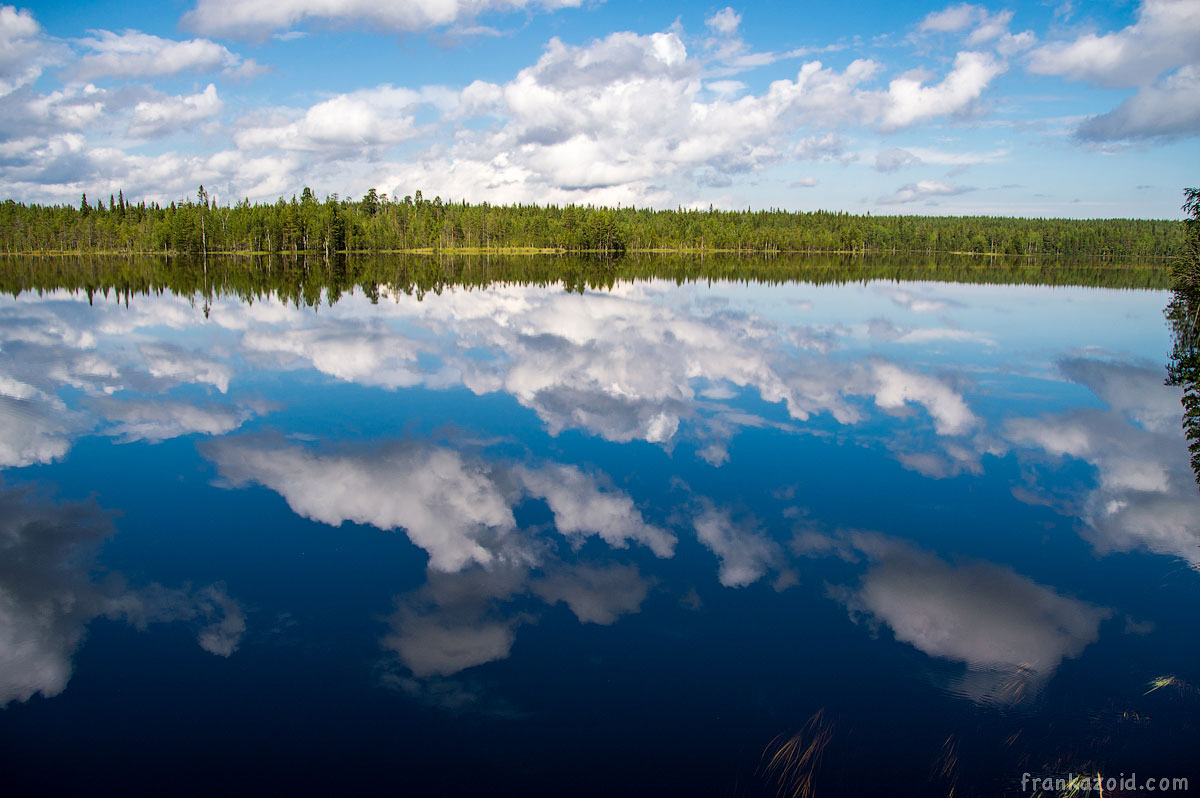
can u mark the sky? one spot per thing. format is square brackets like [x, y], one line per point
[1055, 108]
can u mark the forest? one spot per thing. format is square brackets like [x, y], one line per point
[377, 223]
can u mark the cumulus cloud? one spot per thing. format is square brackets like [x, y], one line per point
[1159, 54]
[61, 167]
[922, 190]
[24, 50]
[984, 27]
[824, 147]
[910, 100]
[133, 54]
[348, 123]
[152, 118]
[47, 598]
[34, 123]
[627, 118]
[952, 18]
[1165, 36]
[896, 158]
[725, 22]
[261, 17]
[1168, 110]
[610, 120]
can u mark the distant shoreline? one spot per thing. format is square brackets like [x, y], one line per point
[517, 251]
[415, 225]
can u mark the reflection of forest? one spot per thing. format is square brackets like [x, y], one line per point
[1183, 314]
[309, 281]
[1184, 368]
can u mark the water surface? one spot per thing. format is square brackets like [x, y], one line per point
[306, 532]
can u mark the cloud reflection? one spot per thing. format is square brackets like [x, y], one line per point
[48, 595]
[1011, 632]
[1145, 496]
[454, 504]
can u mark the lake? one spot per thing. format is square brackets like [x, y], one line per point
[428, 527]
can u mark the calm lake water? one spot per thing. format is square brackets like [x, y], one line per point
[701, 538]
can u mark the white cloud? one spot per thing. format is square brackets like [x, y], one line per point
[1168, 110]
[825, 147]
[348, 123]
[923, 190]
[911, 101]
[260, 17]
[725, 22]
[984, 27]
[62, 167]
[1165, 37]
[133, 54]
[952, 19]
[159, 117]
[745, 553]
[24, 51]
[1159, 54]
[895, 158]
[623, 119]
[609, 121]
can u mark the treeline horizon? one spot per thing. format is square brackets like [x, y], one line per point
[377, 223]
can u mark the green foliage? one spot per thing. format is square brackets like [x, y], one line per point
[377, 223]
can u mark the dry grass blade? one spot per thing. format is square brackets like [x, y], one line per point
[792, 761]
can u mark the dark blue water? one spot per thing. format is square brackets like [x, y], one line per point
[884, 538]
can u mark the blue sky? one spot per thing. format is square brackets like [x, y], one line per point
[1036, 109]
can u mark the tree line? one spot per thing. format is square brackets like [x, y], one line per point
[377, 223]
